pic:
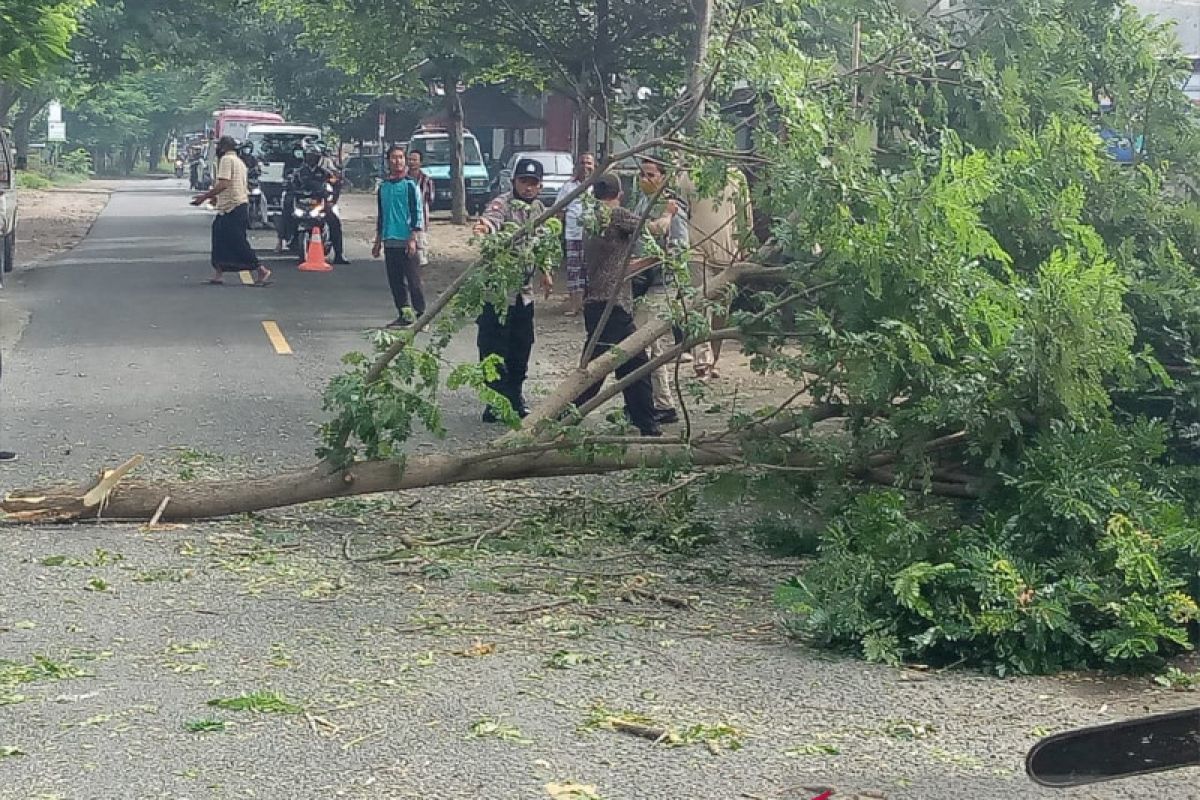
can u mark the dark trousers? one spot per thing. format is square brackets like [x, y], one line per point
[404, 277]
[512, 340]
[639, 395]
[231, 250]
[335, 234]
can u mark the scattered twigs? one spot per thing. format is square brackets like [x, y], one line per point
[159, 511]
[888, 477]
[656, 735]
[941, 443]
[633, 593]
[540, 608]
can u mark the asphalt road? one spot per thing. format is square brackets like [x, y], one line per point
[128, 350]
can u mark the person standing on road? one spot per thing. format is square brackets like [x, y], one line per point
[512, 338]
[398, 221]
[573, 235]
[425, 188]
[231, 250]
[606, 256]
[335, 178]
[654, 286]
[719, 229]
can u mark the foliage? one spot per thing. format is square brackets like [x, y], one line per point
[380, 415]
[258, 702]
[34, 35]
[1079, 561]
[33, 180]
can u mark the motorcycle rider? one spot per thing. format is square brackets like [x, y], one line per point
[312, 177]
[309, 179]
[253, 176]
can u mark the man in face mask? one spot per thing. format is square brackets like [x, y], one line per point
[231, 250]
[512, 338]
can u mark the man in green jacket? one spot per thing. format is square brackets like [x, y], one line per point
[399, 220]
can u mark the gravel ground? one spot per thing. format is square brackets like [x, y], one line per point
[491, 666]
[455, 672]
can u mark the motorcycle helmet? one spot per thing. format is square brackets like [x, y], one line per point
[312, 155]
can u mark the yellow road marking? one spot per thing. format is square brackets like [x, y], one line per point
[276, 336]
[246, 277]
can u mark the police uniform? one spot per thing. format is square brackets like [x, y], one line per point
[511, 338]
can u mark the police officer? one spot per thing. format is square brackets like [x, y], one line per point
[512, 337]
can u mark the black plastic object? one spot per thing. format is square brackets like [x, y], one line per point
[1120, 750]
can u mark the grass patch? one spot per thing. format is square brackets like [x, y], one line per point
[204, 725]
[13, 673]
[258, 703]
[99, 558]
[164, 575]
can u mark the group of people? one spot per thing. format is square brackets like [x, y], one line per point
[616, 275]
[614, 262]
[405, 200]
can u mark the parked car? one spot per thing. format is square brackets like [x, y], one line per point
[8, 207]
[275, 147]
[434, 145]
[557, 166]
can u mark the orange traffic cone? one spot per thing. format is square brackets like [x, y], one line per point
[314, 259]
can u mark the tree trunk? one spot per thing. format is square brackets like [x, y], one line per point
[583, 122]
[458, 185]
[696, 60]
[208, 499]
[9, 94]
[30, 108]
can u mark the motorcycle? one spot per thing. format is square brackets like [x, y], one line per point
[310, 214]
[259, 216]
[179, 168]
[197, 182]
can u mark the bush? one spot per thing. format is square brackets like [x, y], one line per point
[33, 180]
[1082, 560]
[76, 162]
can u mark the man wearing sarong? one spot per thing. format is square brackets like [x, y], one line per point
[231, 250]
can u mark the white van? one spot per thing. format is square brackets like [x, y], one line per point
[8, 206]
[274, 147]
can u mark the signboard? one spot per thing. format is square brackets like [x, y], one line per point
[382, 124]
[56, 132]
[236, 128]
[54, 111]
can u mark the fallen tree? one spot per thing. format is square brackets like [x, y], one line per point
[965, 304]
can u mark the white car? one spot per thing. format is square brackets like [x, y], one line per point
[8, 207]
